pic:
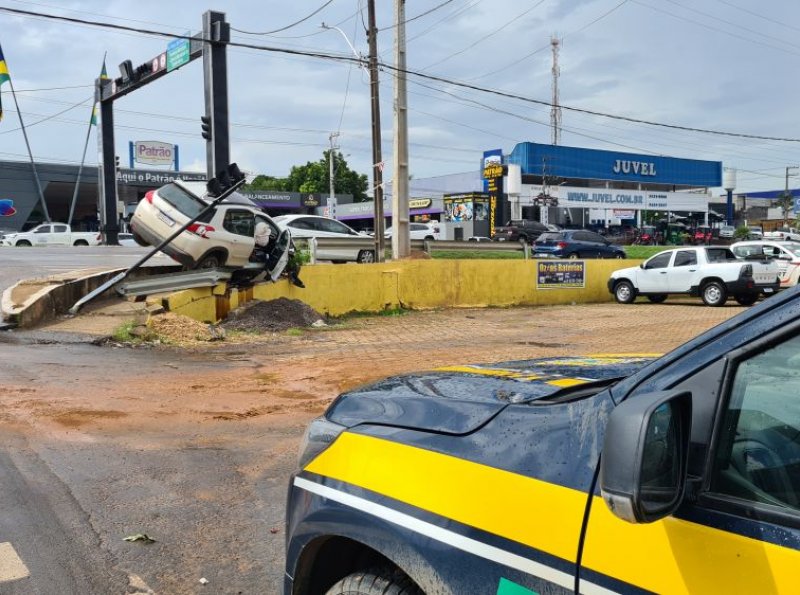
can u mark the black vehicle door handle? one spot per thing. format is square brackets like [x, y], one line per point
[663, 272]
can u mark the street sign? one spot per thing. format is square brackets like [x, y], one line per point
[178, 51]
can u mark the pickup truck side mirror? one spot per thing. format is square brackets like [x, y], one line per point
[645, 453]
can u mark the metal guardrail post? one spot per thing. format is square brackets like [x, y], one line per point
[312, 248]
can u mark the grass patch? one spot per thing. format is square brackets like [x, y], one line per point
[295, 332]
[122, 334]
[475, 254]
[644, 251]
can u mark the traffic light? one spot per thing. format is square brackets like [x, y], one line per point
[116, 161]
[225, 180]
[206, 126]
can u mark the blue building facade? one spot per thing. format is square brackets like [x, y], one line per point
[613, 166]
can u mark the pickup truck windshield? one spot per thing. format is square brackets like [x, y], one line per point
[186, 203]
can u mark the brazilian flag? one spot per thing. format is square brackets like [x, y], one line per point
[3, 76]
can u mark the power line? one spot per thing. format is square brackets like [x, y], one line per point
[419, 16]
[304, 19]
[464, 85]
[760, 16]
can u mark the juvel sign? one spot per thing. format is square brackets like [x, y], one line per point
[153, 152]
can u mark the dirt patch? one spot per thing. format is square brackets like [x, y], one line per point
[77, 418]
[272, 316]
[180, 330]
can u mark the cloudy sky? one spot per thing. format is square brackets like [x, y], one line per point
[725, 65]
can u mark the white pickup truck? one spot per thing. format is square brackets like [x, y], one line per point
[783, 234]
[51, 234]
[712, 273]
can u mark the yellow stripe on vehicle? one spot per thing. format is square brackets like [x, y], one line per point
[566, 382]
[492, 372]
[526, 510]
[677, 556]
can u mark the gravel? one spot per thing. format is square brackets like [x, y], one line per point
[274, 315]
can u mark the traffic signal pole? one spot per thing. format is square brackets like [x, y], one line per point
[211, 45]
[215, 75]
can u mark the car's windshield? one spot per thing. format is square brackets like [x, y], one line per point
[185, 202]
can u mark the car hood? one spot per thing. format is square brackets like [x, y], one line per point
[459, 399]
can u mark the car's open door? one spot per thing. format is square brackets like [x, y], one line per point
[279, 256]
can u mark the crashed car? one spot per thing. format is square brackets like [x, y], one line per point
[602, 474]
[222, 237]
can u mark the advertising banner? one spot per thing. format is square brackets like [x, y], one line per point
[560, 274]
[153, 152]
[620, 199]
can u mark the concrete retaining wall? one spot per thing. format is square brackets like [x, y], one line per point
[413, 284]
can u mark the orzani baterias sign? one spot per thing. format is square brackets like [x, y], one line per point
[153, 152]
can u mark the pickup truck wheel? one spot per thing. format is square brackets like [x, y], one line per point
[23, 244]
[714, 294]
[746, 299]
[658, 298]
[366, 256]
[80, 243]
[375, 582]
[624, 293]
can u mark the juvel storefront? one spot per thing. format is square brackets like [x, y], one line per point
[573, 185]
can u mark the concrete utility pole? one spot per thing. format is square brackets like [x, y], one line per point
[332, 196]
[401, 242]
[377, 159]
[555, 110]
[785, 201]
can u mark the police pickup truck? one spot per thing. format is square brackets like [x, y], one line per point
[712, 272]
[602, 474]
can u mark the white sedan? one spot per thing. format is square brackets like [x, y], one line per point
[306, 227]
[785, 254]
[418, 231]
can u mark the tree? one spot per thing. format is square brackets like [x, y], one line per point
[314, 177]
[786, 204]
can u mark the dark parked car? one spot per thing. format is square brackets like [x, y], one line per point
[519, 230]
[575, 243]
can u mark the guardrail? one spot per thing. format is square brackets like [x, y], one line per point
[367, 243]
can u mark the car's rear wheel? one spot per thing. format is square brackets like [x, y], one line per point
[574, 256]
[81, 243]
[658, 298]
[714, 294]
[366, 256]
[375, 582]
[139, 239]
[209, 261]
[619, 255]
[746, 299]
[624, 293]
[23, 244]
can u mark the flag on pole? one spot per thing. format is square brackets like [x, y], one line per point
[103, 77]
[103, 72]
[93, 121]
[3, 76]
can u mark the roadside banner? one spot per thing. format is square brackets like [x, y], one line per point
[560, 274]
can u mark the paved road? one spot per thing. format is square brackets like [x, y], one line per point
[26, 263]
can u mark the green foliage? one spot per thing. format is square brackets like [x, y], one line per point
[786, 203]
[122, 334]
[470, 254]
[314, 177]
[642, 252]
[742, 233]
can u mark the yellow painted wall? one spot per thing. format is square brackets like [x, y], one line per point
[413, 284]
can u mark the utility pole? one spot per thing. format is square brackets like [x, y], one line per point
[785, 204]
[401, 241]
[377, 160]
[555, 110]
[332, 195]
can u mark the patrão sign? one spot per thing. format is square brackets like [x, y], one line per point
[153, 152]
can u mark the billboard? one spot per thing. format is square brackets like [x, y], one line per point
[153, 152]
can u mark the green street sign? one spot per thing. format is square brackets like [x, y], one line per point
[178, 51]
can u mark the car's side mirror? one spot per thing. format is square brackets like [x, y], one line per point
[645, 454]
